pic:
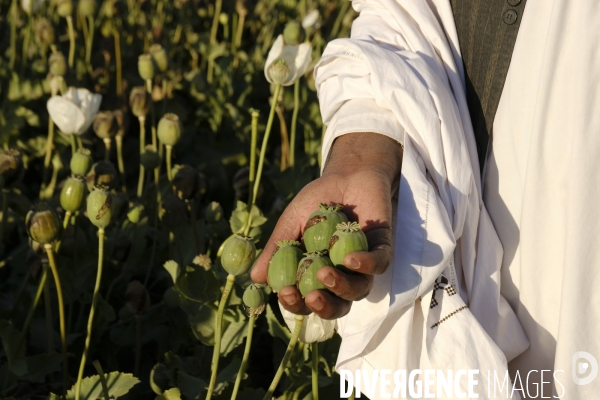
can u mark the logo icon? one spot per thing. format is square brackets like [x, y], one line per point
[584, 362]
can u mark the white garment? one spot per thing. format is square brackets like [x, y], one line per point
[541, 188]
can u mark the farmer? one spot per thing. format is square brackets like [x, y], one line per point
[495, 271]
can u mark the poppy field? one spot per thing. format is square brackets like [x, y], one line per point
[148, 148]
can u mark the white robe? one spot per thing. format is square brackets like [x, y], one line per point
[400, 75]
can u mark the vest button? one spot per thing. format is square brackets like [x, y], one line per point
[509, 17]
[513, 2]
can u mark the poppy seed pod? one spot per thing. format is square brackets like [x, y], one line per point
[43, 224]
[187, 182]
[278, 71]
[293, 33]
[72, 193]
[102, 173]
[87, 8]
[146, 66]
[11, 167]
[173, 212]
[44, 31]
[64, 8]
[169, 129]
[213, 212]
[159, 55]
[139, 101]
[347, 238]
[57, 64]
[137, 298]
[283, 265]
[238, 254]
[150, 158]
[99, 207]
[254, 299]
[105, 126]
[321, 224]
[307, 271]
[81, 161]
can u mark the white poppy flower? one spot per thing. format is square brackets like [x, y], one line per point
[311, 19]
[287, 63]
[314, 329]
[74, 112]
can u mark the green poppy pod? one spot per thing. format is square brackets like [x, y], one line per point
[72, 193]
[135, 213]
[99, 207]
[81, 162]
[254, 297]
[159, 55]
[43, 224]
[346, 239]
[307, 271]
[321, 225]
[238, 254]
[87, 8]
[169, 129]
[293, 33]
[64, 8]
[57, 64]
[139, 101]
[283, 265]
[146, 66]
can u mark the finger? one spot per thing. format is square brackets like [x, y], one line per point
[327, 305]
[289, 227]
[378, 258]
[291, 299]
[348, 287]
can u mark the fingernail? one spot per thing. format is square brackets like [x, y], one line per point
[354, 264]
[317, 304]
[329, 281]
[290, 299]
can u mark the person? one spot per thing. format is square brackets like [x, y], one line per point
[490, 273]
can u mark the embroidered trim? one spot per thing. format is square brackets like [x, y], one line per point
[448, 316]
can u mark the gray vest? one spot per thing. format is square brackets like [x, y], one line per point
[487, 31]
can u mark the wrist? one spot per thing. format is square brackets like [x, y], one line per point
[359, 151]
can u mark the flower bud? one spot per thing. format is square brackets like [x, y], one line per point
[238, 254]
[213, 212]
[293, 34]
[99, 207]
[43, 224]
[64, 8]
[159, 55]
[254, 299]
[188, 183]
[44, 31]
[279, 71]
[137, 298]
[57, 64]
[11, 166]
[87, 8]
[135, 213]
[103, 173]
[81, 162]
[72, 193]
[173, 212]
[169, 130]
[150, 158]
[139, 101]
[146, 66]
[105, 126]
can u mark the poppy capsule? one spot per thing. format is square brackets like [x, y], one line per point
[72, 193]
[99, 207]
[283, 265]
[238, 254]
[321, 225]
[254, 299]
[348, 238]
[308, 267]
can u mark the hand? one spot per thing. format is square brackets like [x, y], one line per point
[362, 173]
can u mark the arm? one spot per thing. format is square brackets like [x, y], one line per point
[361, 172]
